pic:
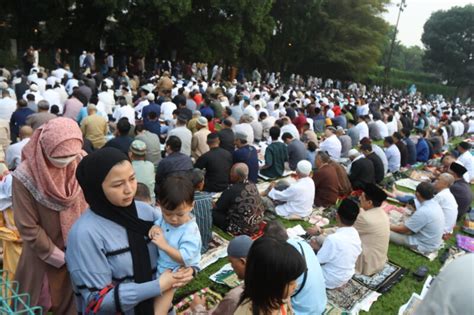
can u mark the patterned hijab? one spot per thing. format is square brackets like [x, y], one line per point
[52, 187]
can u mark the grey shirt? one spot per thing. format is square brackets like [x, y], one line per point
[296, 153]
[346, 145]
[153, 148]
[427, 225]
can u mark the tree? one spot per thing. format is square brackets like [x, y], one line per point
[449, 40]
[337, 38]
[403, 58]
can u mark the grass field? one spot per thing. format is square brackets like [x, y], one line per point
[388, 303]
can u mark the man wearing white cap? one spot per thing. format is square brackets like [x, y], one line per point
[199, 144]
[298, 197]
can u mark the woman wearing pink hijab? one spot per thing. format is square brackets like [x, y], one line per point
[47, 200]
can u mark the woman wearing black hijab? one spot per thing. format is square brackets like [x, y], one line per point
[109, 256]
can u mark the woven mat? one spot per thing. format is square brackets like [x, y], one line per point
[384, 280]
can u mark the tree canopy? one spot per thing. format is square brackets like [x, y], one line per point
[337, 38]
[449, 40]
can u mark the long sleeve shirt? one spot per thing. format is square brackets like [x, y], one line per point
[95, 260]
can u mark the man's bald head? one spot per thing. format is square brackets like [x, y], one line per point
[444, 181]
[25, 132]
[239, 172]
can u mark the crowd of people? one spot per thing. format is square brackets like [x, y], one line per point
[115, 183]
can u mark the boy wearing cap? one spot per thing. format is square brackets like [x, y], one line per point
[237, 252]
[144, 170]
[298, 197]
[373, 226]
[339, 251]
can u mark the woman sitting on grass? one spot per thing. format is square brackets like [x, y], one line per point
[270, 278]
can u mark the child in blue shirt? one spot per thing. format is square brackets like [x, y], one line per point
[176, 232]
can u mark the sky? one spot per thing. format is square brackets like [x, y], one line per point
[417, 12]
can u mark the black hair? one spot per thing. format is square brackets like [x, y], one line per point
[426, 190]
[174, 191]
[174, 143]
[274, 132]
[30, 97]
[366, 147]
[123, 126]
[389, 140]
[406, 132]
[312, 146]
[286, 136]
[22, 103]
[152, 115]
[397, 135]
[276, 230]
[262, 115]
[197, 176]
[227, 123]
[271, 266]
[348, 212]
[228, 111]
[143, 192]
[55, 109]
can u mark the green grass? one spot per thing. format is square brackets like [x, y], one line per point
[388, 303]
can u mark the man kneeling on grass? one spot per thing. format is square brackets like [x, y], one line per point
[338, 252]
[424, 229]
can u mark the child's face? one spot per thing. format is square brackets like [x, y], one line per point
[178, 216]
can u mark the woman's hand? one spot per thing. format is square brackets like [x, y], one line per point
[183, 276]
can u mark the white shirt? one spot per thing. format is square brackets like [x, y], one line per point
[299, 198]
[247, 129]
[471, 126]
[382, 128]
[70, 85]
[7, 107]
[139, 108]
[37, 95]
[467, 160]
[338, 256]
[393, 158]
[363, 130]
[185, 135]
[167, 109]
[125, 111]
[108, 100]
[13, 154]
[251, 111]
[381, 154]
[392, 127]
[333, 146]
[52, 97]
[449, 205]
[291, 129]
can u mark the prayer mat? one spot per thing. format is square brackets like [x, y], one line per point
[396, 214]
[212, 299]
[431, 256]
[217, 250]
[384, 280]
[410, 307]
[352, 297]
[332, 310]
[407, 183]
[465, 242]
[226, 276]
[468, 225]
[421, 176]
